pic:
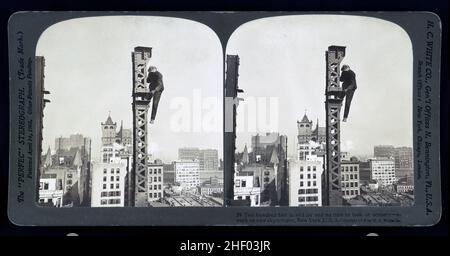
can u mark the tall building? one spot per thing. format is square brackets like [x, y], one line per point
[110, 134]
[383, 151]
[108, 184]
[155, 182]
[187, 173]
[382, 170]
[403, 157]
[271, 150]
[208, 158]
[309, 150]
[350, 179]
[76, 141]
[306, 132]
[305, 182]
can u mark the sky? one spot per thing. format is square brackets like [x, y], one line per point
[89, 75]
[284, 58]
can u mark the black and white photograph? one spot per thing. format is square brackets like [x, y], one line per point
[132, 113]
[325, 114]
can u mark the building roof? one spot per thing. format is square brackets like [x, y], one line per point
[109, 121]
[274, 158]
[77, 159]
[305, 119]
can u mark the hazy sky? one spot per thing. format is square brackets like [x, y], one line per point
[284, 57]
[89, 73]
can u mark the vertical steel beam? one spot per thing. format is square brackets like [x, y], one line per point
[231, 99]
[138, 178]
[333, 104]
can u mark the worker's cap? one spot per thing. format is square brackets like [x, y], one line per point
[345, 66]
[152, 68]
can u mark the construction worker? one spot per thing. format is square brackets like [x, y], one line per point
[348, 79]
[156, 86]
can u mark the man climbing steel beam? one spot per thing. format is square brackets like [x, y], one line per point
[348, 79]
[156, 87]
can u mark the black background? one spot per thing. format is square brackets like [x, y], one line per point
[167, 239]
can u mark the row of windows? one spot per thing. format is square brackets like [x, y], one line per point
[154, 195]
[112, 171]
[111, 186]
[111, 178]
[110, 193]
[110, 201]
[351, 192]
[155, 187]
[308, 199]
[350, 184]
[241, 183]
[349, 168]
[308, 168]
[154, 171]
[308, 191]
[349, 177]
[314, 183]
[308, 176]
[155, 179]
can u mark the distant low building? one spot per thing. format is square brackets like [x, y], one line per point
[211, 187]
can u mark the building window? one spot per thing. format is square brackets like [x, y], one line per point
[104, 170]
[117, 171]
[117, 178]
[309, 168]
[244, 183]
[104, 186]
[112, 178]
[103, 202]
[112, 170]
[117, 185]
[301, 176]
[301, 183]
[301, 168]
[104, 178]
[46, 186]
[314, 176]
[159, 171]
[314, 168]
[309, 176]
[111, 186]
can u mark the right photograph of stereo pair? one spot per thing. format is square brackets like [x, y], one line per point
[322, 113]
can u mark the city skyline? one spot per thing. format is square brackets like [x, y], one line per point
[293, 62]
[89, 78]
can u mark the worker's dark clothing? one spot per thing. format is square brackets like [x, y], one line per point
[155, 84]
[348, 79]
